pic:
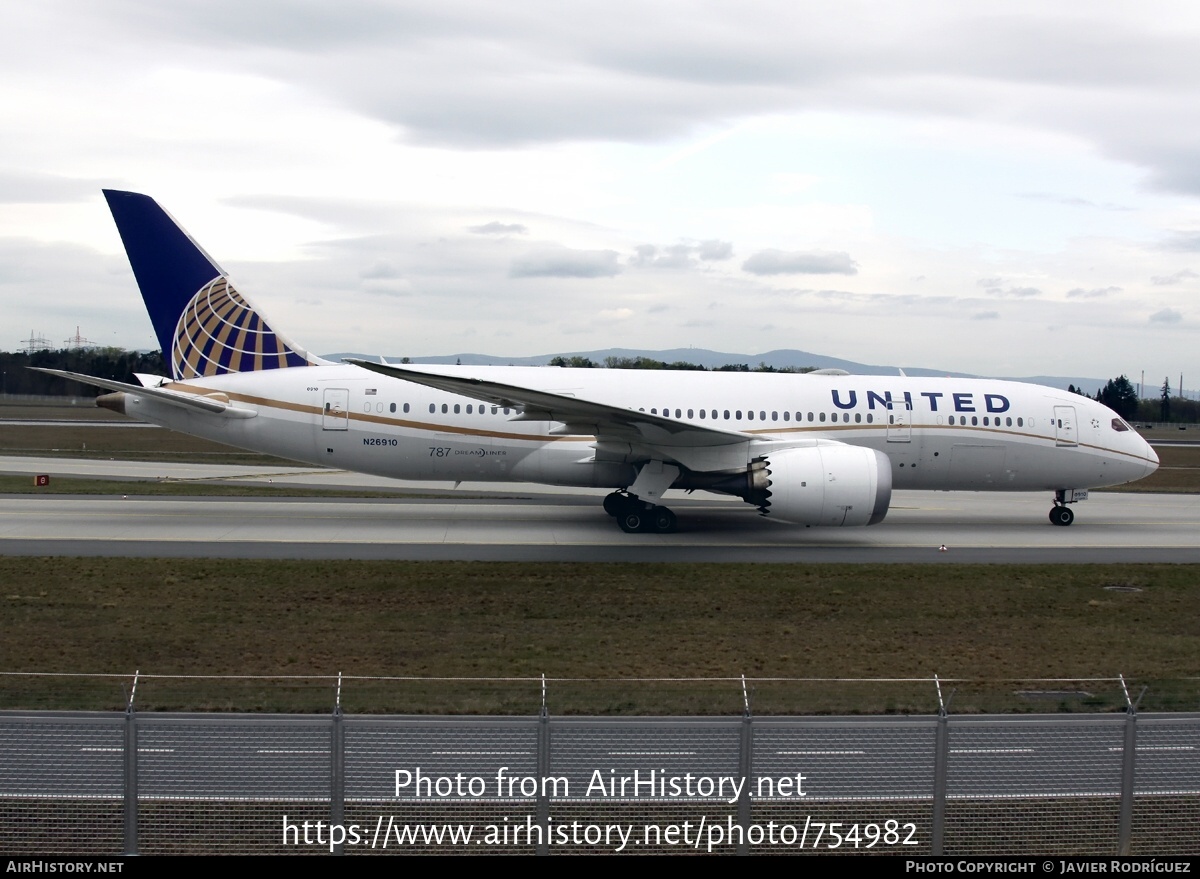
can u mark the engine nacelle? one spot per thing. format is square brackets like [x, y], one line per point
[827, 484]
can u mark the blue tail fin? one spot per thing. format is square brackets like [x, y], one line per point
[204, 325]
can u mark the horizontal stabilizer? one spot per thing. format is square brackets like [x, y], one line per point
[199, 402]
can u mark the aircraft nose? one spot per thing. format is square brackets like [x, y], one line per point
[1152, 458]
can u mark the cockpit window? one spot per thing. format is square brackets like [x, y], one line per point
[1119, 426]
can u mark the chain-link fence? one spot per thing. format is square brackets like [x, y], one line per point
[1102, 783]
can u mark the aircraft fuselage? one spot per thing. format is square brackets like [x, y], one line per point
[938, 433]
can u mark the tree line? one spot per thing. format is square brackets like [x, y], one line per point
[651, 363]
[1119, 395]
[116, 363]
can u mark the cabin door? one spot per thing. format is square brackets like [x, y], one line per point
[1064, 426]
[336, 414]
[899, 429]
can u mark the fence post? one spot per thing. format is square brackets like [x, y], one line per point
[1128, 757]
[745, 769]
[543, 767]
[337, 767]
[131, 777]
[941, 762]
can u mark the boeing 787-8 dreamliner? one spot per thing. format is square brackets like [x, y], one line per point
[807, 449]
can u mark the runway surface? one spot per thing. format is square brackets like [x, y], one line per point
[537, 523]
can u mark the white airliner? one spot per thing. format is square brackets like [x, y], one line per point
[807, 449]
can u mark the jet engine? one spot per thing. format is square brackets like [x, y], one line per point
[826, 484]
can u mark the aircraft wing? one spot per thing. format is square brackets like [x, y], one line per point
[216, 404]
[578, 415]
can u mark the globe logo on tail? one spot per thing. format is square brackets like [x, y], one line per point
[221, 332]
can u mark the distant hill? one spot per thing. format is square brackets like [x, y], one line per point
[711, 359]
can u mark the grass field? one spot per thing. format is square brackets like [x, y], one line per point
[611, 624]
[70, 485]
[128, 444]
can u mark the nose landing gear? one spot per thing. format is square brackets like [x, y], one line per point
[1060, 513]
[1061, 516]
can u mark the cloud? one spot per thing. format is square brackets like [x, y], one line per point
[680, 256]
[986, 315]
[495, 228]
[800, 262]
[1095, 293]
[380, 270]
[1073, 201]
[1016, 292]
[1167, 316]
[563, 262]
[676, 256]
[1181, 275]
[715, 250]
[34, 188]
[484, 76]
[1185, 241]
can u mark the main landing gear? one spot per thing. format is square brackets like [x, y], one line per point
[1060, 513]
[636, 516]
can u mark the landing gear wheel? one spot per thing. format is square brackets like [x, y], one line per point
[616, 503]
[662, 520]
[1061, 516]
[634, 521]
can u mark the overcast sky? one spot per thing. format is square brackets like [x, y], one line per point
[1001, 188]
